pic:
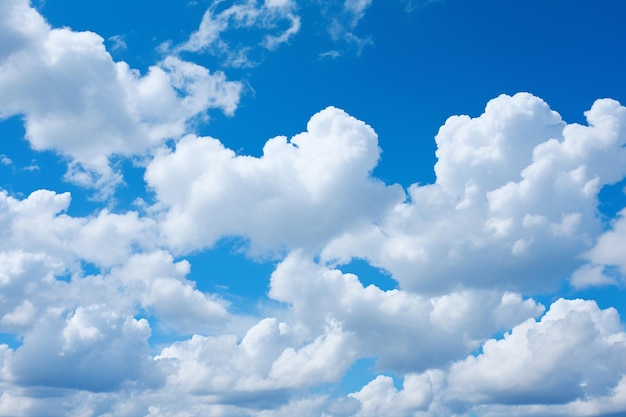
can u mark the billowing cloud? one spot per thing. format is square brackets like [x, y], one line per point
[380, 396]
[265, 363]
[404, 331]
[320, 177]
[81, 349]
[99, 315]
[76, 100]
[575, 351]
[570, 362]
[607, 264]
[487, 214]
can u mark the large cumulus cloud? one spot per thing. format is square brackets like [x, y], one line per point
[516, 188]
[299, 194]
[76, 100]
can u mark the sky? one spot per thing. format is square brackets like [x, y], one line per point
[323, 208]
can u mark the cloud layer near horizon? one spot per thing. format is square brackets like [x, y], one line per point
[104, 318]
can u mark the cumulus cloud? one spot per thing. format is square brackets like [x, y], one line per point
[320, 177]
[512, 211]
[81, 349]
[380, 396]
[70, 326]
[606, 258]
[39, 224]
[486, 214]
[266, 362]
[575, 352]
[275, 20]
[159, 284]
[403, 331]
[76, 100]
[570, 362]
[343, 18]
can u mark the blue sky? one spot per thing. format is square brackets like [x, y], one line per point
[325, 208]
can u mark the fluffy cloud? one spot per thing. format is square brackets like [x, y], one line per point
[570, 362]
[486, 214]
[39, 224]
[604, 257]
[77, 101]
[576, 350]
[158, 283]
[81, 349]
[258, 369]
[380, 396]
[403, 331]
[70, 326]
[276, 21]
[575, 353]
[320, 177]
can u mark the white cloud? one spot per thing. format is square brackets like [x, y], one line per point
[63, 318]
[39, 224]
[569, 363]
[22, 315]
[404, 331]
[77, 101]
[357, 9]
[210, 192]
[159, 285]
[343, 18]
[606, 253]
[487, 214]
[81, 349]
[575, 351]
[380, 396]
[276, 20]
[260, 367]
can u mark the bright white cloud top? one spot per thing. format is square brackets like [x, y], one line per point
[160, 257]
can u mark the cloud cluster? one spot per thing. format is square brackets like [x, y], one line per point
[515, 184]
[77, 101]
[571, 362]
[99, 316]
[606, 264]
[446, 327]
[320, 177]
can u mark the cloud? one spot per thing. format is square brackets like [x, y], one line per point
[387, 325]
[39, 224]
[81, 350]
[260, 368]
[5, 160]
[117, 42]
[343, 18]
[604, 257]
[570, 362]
[159, 285]
[575, 352]
[70, 325]
[380, 396]
[274, 22]
[209, 192]
[76, 100]
[487, 215]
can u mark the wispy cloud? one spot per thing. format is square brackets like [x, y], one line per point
[274, 22]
